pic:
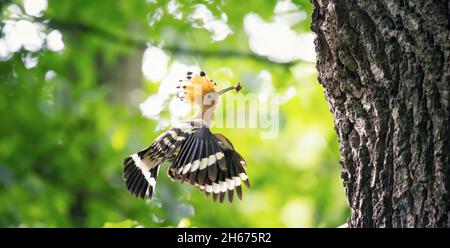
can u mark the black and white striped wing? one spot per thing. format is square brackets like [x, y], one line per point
[141, 169]
[210, 162]
[236, 165]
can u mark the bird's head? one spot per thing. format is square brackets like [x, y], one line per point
[199, 90]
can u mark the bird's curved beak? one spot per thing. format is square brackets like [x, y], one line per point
[237, 87]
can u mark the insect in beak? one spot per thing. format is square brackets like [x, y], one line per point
[237, 87]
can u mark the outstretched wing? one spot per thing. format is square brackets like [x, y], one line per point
[210, 162]
[141, 169]
[236, 166]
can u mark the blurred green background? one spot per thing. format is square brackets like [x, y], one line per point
[85, 83]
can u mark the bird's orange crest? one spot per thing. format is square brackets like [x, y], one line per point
[194, 87]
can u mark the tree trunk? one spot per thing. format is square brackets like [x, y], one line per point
[385, 67]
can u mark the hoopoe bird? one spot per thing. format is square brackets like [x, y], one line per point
[195, 155]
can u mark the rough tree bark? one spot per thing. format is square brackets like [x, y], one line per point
[385, 67]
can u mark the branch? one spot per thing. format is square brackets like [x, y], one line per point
[136, 43]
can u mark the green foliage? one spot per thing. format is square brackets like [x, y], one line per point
[63, 138]
[122, 224]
